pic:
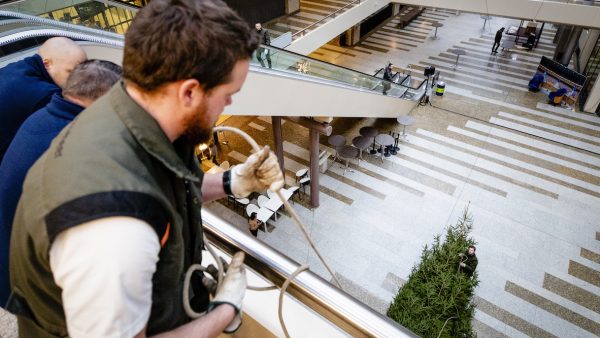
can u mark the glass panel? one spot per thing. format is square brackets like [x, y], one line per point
[282, 60]
[91, 14]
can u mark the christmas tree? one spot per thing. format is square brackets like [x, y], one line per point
[436, 301]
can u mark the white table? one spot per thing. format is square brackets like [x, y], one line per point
[264, 215]
[274, 203]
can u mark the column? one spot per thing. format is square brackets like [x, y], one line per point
[314, 167]
[588, 47]
[278, 140]
[292, 6]
[567, 42]
[592, 104]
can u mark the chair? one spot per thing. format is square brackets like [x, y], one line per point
[224, 165]
[262, 200]
[295, 191]
[301, 173]
[243, 202]
[250, 208]
[303, 182]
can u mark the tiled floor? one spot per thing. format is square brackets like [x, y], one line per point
[530, 173]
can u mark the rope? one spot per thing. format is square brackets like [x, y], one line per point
[446, 322]
[197, 267]
[287, 282]
[287, 205]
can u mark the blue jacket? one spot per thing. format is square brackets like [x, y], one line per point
[30, 142]
[25, 86]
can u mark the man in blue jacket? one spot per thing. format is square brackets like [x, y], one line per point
[28, 85]
[87, 82]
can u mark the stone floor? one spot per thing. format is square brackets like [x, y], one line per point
[529, 172]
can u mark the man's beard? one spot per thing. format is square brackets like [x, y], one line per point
[197, 129]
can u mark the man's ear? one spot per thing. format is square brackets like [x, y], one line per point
[190, 91]
[47, 63]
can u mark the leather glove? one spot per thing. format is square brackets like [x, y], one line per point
[462, 265]
[260, 171]
[232, 291]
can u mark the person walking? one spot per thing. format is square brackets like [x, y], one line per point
[265, 39]
[109, 220]
[28, 85]
[497, 40]
[387, 77]
[253, 224]
[87, 82]
[468, 261]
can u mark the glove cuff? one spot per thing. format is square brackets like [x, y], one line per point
[213, 305]
[227, 182]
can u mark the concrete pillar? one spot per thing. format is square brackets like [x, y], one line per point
[567, 42]
[314, 168]
[292, 6]
[588, 47]
[278, 139]
[592, 104]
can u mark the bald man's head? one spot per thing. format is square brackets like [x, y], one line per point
[60, 55]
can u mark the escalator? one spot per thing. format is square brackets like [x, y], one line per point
[295, 85]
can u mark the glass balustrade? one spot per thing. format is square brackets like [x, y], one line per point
[93, 14]
[300, 65]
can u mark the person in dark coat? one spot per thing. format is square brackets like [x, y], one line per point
[497, 40]
[265, 39]
[387, 76]
[88, 81]
[468, 261]
[536, 82]
[28, 85]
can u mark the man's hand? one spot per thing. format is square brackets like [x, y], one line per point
[232, 290]
[260, 171]
[462, 265]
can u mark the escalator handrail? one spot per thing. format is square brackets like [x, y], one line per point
[47, 32]
[59, 24]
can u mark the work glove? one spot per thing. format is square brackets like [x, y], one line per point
[462, 265]
[260, 171]
[232, 291]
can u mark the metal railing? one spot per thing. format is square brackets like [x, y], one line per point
[342, 310]
[302, 32]
[46, 32]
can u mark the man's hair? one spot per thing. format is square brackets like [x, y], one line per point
[473, 246]
[92, 79]
[172, 40]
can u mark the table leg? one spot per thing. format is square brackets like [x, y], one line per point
[435, 35]
[373, 151]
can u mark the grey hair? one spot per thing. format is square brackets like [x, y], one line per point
[91, 79]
